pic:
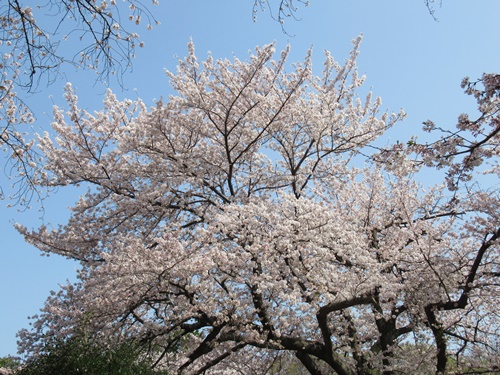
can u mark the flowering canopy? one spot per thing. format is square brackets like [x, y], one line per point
[240, 226]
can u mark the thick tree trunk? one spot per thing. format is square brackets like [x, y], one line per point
[308, 363]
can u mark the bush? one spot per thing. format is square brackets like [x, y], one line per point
[9, 362]
[76, 356]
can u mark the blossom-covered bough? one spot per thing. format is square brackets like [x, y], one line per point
[92, 35]
[239, 227]
[22, 160]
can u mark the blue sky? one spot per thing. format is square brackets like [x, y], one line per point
[410, 60]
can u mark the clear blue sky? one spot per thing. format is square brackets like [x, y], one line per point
[410, 60]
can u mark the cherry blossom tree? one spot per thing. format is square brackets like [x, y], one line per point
[249, 224]
[91, 35]
[469, 156]
[32, 37]
[37, 40]
[280, 10]
[13, 115]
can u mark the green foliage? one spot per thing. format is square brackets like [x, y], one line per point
[9, 362]
[76, 356]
